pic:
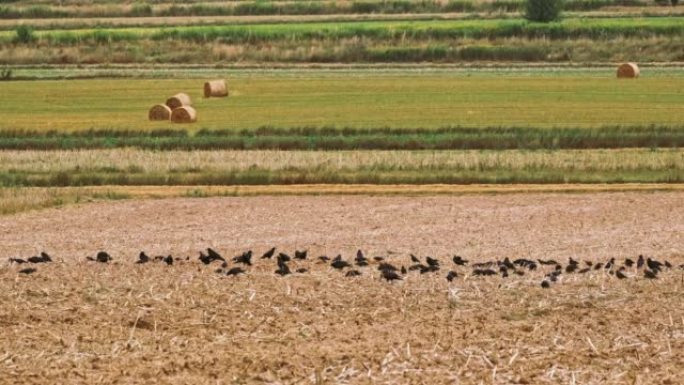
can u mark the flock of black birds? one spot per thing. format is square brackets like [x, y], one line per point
[648, 267]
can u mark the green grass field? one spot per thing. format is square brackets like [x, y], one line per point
[352, 99]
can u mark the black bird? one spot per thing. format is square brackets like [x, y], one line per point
[519, 272]
[205, 258]
[650, 274]
[508, 264]
[339, 264]
[324, 258]
[214, 255]
[283, 269]
[284, 257]
[224, 264]
[244, 258]
[428, 269]
[609, 264]
[361, 259]
[432, 262]
[142, 258]
[459, 260]
[29, 270]
[300, 254]
[269, 254]
[302, 270]
[168, 260]
[403, 270]
[547, 262]
[598, 266]
[589, 263]
[353, 273]
[572, 261]
[18, 261]
[654, 265]
[235, 271]
[571, 268]
[585, 270]
[414, 259]
[629, 262]
[379, 258]
[620, 274]
[390, 275]
[101, 257]
[668, 264]
[452, 274]
[484, 272]
[504, 272]
[640, 262]
[545, 284]
[41, 259]
[387, 266]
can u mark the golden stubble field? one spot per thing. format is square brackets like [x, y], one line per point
[82, 322]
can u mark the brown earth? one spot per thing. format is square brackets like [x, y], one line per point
[82, 322]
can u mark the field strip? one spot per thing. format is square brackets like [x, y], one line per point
[84, 22]
[315, 189]
[19, 199]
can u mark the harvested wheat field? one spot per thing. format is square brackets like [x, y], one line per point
[81, 321]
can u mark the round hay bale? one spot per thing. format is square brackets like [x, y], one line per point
[184, 114]
[160, 112]
[215, 89]
[178, 100]
[628, 71]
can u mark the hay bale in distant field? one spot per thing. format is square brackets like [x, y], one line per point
[178, 100]
[628, 71]
[184, 114]
[215, 89]
[160, 112]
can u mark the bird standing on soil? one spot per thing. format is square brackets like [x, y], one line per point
[650, 274]
[459, 260]
[142, 258]
[451, 276]
[300, 254]
[269, 254]
[640, 261]
[283, 268]
[235, 271]
[168, 260]
[390, 275]
[43, 258]
[244, 258]
[29, 270]
[339, 264]
[361, 259]
[101, 257]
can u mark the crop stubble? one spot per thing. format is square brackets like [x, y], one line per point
[91, 323]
